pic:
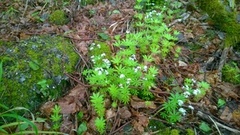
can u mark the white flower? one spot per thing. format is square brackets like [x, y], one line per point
[106, 72]
[186, 88]
[137, 68]
[99, 72]
[191, 107]
[196, 92]
[180, 102]
[98, 46]
[194, 81]
[145, 68]
[186, 94]
[128, 80]
[133, 57]
[107, 62]
[103, 54]
[120, 85]
[122, 76]
[91, 48]
[183, 111]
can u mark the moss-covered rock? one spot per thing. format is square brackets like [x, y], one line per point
[33, 70]
[58, 17]
[224, 19]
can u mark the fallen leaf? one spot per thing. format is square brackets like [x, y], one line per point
[124, 113]
[110, 113]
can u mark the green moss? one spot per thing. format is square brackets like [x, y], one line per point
[27, 63]
[190, 132]
[174, 132]
[97, 48]
[58, 17]
[231, 73]
[223, 19]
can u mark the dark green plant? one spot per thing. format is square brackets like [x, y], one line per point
[58, 17]
[231, 73]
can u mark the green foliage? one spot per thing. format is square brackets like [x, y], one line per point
[33, 70]
[56, 117]
[221, 102]
[1, 71]
[97, 101]
[204, 127]
[12, 120]
[82, 128]
[171, 107]
[231, 73]
[172, 110]
[100, 124]
[174, 132]
[190, 132]
[58, 17]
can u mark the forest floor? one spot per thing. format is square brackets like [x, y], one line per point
[199, 59]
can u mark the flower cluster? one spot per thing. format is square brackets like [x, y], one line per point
[173, 108]
[122, 75]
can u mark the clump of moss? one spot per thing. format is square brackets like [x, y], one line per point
[98, 48]
[223, 20]
[33, 70]
[231, 73]
[190, 131]
[58, 17]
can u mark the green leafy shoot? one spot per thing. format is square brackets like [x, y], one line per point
[56, 117]
[100, 124]
[97, 101]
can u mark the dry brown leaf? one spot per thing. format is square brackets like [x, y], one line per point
[69, 105]
[82, 47]
[227, 90]
[46, 108]
[124, 113]
[110, 113]
[226, 114]
[142, 104]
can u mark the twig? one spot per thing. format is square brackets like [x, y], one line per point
[120, 127]
[25, 9]
[207, 117]
[215, 124]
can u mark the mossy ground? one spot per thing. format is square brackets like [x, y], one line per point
[29, 63]
[58, 17]
[224, 19]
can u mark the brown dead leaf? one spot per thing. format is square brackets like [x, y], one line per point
[124, 113]
[82, 47]
[46, 109]
[227, 90]
[67, 125]
[141, 122]
[110, 113]
[137, 103]
[71, 103]
[226, 114]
